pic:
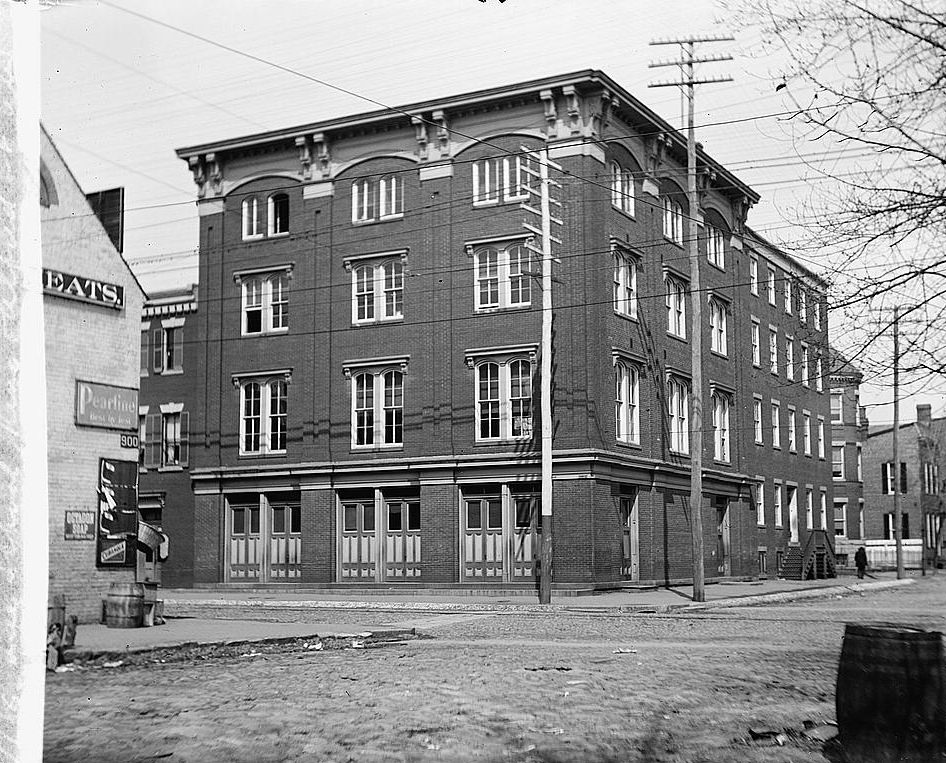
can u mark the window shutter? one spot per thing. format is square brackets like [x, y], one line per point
[159, 350]
[185, 446]
[153, 441]
[903, 477]
[179, 347]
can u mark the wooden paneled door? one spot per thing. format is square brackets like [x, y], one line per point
[285, 541]
[500, 531]
[630, 537]
[359, 540]
[264, 538]
[379, 536]
[245, 546]
[723, 538]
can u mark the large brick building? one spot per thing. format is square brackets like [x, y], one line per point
[849, 427]
[92, 310]
[368, 342]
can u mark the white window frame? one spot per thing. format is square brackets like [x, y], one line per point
[836, 394]
[625, 283]
[716, 247]
[777, 503]
[773, 350]
[721, 432]
[676, 293]
[169, 340]
[390, 197]
[754, 275]
[678, 414]
[627, 426]
[251, 227]
[802, 306]
[823, 507]
[622, 189]
[835, 448]
[809, 508]
[501, 179]
[718, 334]
[819, 379]
[805, 361]
[756, 338]
[504, 399]
[806, 432]
[505, 276]
[760, 501]
[790, 358]
[860, 464]
[757, 424]
[821, 443]
[374, 290]
[364, 204]
[673, 220]
[776, 414]
[386, 433]
[268, 416]
[788, 294]
[816, 308]
[771, 285]
[792, 430]
[272, 290]
[271, 215]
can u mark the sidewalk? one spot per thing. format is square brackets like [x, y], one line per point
[196, 616]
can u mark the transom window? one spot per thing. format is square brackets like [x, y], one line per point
[503, 399]
[622, 188]
[676, 307]
[377, 408]
[501, 179]
[678, 412]
[718, 342]
[673, 220]
[625, 284]
[377, 291]
[502, 277]
[626, 402]
[377, 199]
[715, 246]
[264, 414]
[266, 304]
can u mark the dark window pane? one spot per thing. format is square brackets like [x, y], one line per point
[239, 521]
[473, 518]
[254, 321]
[279, 519]
[494, 519]
[368, 509]
[523, 512]
[254, 520]
[351, 517]
[295, 519]
[413, 516]
[394, 516]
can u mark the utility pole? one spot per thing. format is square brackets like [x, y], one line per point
[545, 380]
[696, 296]
[897, 510]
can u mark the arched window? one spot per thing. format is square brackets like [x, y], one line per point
[363, 201]
[251, 226]
[622, 188]
[393, 382]
[504, 399]
[278, 214]
[625, 284]
[391, 194]
[377, 408]
[252, 418]
[678, 414]
[673, 219]
[626, 402]
[502, 277]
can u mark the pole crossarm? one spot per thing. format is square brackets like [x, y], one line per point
[689, 82]
[693, 39]
[707, 60]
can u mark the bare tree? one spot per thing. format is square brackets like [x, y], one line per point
[867, 78]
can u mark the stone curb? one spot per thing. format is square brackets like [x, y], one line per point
[812, 593]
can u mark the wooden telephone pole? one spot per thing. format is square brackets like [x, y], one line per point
[688, 81]
[897, 479]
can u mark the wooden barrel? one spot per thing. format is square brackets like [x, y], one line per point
[124, 606]
[891, 694]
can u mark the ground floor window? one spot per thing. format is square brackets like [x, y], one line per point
[889, 526]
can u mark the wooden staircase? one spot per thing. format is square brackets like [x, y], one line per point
[814, 560]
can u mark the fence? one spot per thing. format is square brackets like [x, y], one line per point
[881, 554]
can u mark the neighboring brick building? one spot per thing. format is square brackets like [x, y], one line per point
[168, 364]
[849, 427]
[92, 310]
[368, 351]
[920, 479]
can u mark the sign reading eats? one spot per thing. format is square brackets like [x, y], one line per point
[84, 289]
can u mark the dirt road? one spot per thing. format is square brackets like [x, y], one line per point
[667, 688]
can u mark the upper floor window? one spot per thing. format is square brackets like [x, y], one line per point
[720, 427]
[503, 399]
[773, 350]
[806, 431]
[622, 188]
[264, 414]
[757, 420]
[678, 413]
[760, 501]
[377, 408]
[770, 286]
[165, 438]
[715, 246]
[265, 304]
[790, 358]
[277, 207]
[930, 476]
[377, 291]
[776, 425]
[888, 481]
[819, 380]
[251, 218]
[805, 359]
[676, 307]
[377, 199]
[756, 349]
[792, 428]
[815, 312]
[673, 220]
[502, 277]
[836, 407]
[501, 179]
[837, 462]
[718, 342]
[168, 347]
[626, 402]
[802, 306]
[625, 284]
[145, 353]
[754, 274]
[788, 294]
[821, 446]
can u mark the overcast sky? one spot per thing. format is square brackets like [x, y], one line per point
[122, 90]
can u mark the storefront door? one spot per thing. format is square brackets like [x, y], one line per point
[724, 566]
[265, 538]
[359, 540]
[245, 548]
[630, 532]
[379, 536]
[500, 532]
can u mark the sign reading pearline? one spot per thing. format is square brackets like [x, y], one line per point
[85, 289]
[106, 406]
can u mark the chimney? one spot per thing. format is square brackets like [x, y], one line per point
[923, 414]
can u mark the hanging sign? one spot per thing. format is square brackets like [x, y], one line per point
[118, 513]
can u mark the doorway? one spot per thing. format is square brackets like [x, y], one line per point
[723, 537]
[500, 528]
[379, 535]
[264, 534]
[630, 537]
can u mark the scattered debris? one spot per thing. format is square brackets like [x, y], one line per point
[560, 668]
[251, 654]
[624, 651]
[113, 664]
[356, 644]
[763, 733]
[430, 745]
[65, 668]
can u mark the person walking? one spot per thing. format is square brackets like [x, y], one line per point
[860, 561]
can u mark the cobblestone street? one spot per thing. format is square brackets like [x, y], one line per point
[483, 687]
